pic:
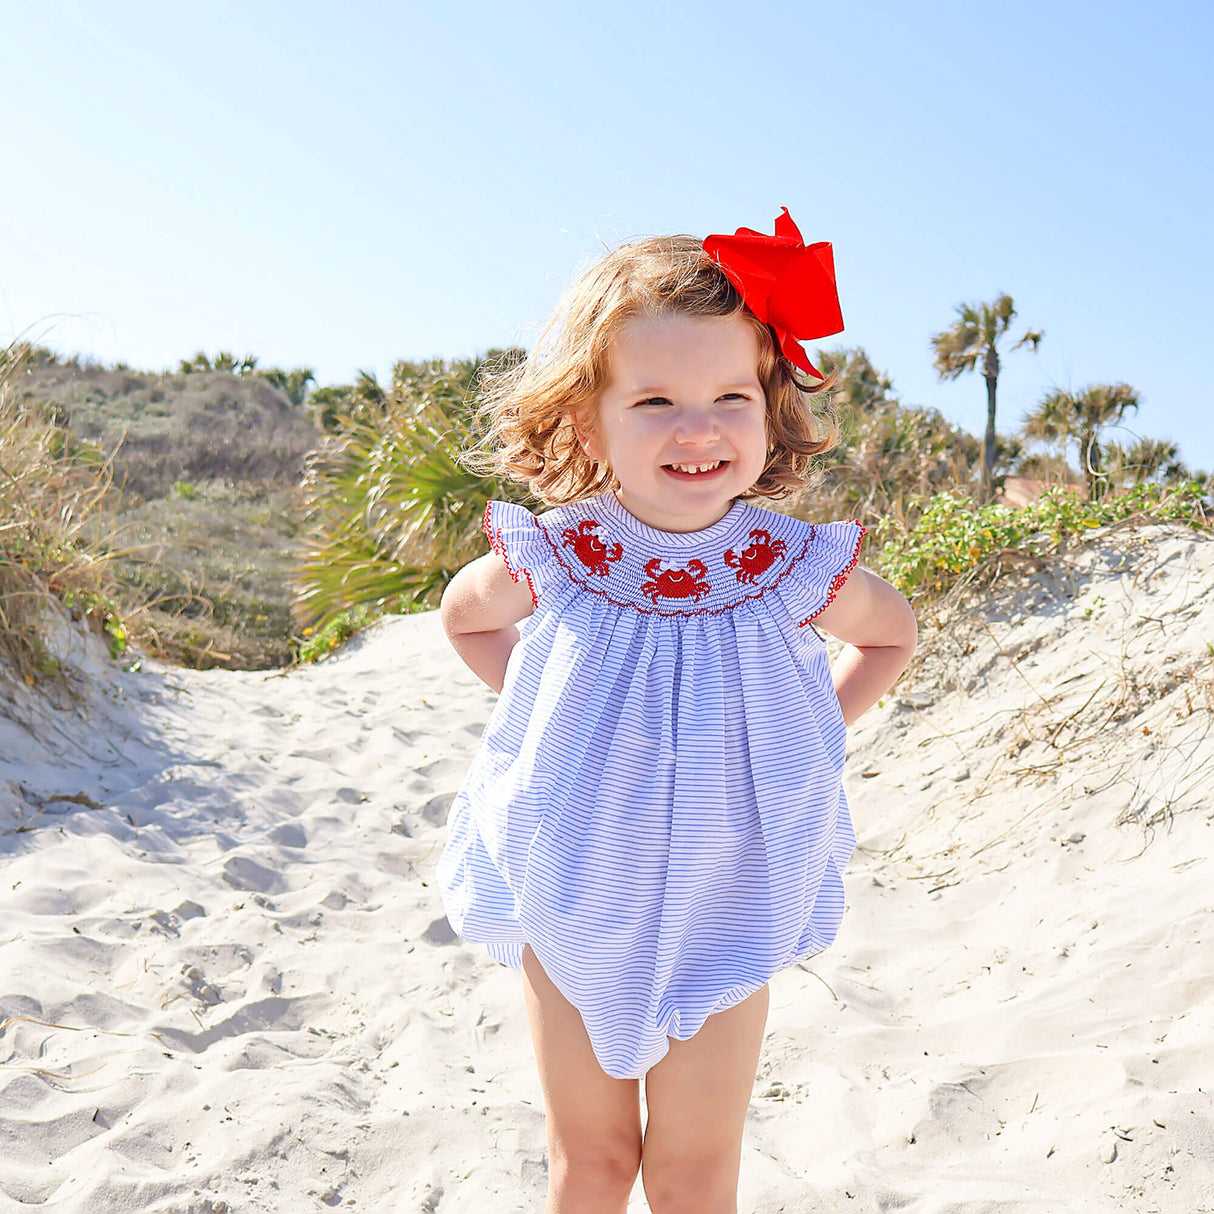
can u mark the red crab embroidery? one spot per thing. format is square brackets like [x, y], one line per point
[591, 550]
[686, 583]
[758, 557]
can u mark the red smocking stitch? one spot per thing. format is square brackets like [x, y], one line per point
[571, 575]
[840, 577]
[495, 540]
[757, 558]
[685, 583]
[498, 545]
[589, 549]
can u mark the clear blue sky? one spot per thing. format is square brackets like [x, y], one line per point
[340, 186]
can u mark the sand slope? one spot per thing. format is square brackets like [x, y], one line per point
[226, 982]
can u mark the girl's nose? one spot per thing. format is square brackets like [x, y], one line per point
[695, 426]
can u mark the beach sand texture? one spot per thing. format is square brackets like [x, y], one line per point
[226, 981]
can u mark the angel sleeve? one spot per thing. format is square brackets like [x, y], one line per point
[515, 534]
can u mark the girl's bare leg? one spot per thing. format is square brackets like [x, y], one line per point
[697, 1098]
[594, 1121]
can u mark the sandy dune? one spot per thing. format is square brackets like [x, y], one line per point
[226, 982]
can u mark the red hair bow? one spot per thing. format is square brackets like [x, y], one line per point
[787, 284]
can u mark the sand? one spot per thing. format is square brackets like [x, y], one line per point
[226, 981]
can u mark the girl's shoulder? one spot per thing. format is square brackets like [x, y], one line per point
[514, 531]
[819, 544]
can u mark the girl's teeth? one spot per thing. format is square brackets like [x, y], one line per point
[696, 467]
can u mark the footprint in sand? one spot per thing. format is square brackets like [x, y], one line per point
[243, 872]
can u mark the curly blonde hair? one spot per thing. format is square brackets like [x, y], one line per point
[530, 412]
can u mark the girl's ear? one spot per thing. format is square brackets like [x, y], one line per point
[587, 438]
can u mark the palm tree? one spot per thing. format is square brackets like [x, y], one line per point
[1080, 417]
[200, 362]
[975, 335]
[1145, 459]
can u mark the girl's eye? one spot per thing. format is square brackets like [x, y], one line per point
[659, 401]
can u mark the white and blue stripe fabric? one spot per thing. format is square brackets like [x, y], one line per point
[656, 806]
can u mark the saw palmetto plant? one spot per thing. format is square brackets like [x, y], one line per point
[390, 511]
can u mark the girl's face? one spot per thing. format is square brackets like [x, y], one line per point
[682, 393]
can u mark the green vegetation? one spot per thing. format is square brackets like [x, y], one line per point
[201, 508]
[317, 643]
[954, 542]
[1144, 460]
[390, 513]
[889, 456]
[1082, 416]
[226, 514]
[293, 383]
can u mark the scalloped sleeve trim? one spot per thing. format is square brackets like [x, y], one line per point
[840, 553]
[514, 534]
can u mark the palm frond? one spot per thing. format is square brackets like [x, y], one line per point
[997, 318]
[957, 349]
[391, 511]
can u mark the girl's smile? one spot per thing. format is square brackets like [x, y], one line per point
[696, 471]
[682, 418]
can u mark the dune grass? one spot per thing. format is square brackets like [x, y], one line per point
[50, 488]
[202, 507]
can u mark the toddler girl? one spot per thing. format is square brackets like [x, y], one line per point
[654, 823]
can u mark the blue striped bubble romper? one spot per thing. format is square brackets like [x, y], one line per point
[656, 806]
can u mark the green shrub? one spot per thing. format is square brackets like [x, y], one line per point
[955, 539]
[390, 513]
[318, 643]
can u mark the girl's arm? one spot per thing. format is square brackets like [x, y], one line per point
[879, 629]
[480, 607]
